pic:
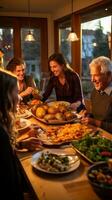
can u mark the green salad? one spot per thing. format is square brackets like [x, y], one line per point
[94, 148]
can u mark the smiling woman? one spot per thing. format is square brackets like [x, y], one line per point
[26, 84]
[65, 81]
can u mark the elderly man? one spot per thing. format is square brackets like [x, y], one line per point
[101, 97]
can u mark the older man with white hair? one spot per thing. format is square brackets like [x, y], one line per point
[101, 97]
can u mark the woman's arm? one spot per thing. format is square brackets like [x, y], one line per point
[48, 90]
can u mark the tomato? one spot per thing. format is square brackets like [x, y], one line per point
[106, 153]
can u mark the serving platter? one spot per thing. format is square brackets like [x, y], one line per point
[58, 122]
[94, 148]
[64, 134]
[73, 164]
[57, 103]
[55, 113]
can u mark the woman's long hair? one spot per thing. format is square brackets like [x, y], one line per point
[8, 103]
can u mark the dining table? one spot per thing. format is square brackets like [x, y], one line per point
[68, 186]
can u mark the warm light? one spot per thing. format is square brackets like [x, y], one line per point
[29, 37]
[94, 44]
[72, 37]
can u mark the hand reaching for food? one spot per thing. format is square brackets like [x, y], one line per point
[31, 144]
[26, 92]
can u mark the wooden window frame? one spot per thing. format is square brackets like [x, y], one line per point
[76, 46]
[23, 22]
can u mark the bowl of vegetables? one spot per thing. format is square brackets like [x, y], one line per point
[100, 178]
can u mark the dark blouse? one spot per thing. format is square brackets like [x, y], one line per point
[70, 91]
[10, 181]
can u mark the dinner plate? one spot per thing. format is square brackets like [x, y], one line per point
[26, 114]
[22, 124]
[73, 160]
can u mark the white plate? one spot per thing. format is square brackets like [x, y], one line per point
[73, 159]
[24, 123]
[26, 114]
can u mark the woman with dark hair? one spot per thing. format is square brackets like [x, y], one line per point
[10, 183]
[26, 84]
[64, 80]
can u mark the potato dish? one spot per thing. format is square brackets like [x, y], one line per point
[53, 112]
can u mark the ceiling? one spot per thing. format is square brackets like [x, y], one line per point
[36, 6]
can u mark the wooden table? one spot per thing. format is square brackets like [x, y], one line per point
[71, 186]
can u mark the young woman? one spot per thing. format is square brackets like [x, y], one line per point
[26, 84]
[64, 80]
[10, 182]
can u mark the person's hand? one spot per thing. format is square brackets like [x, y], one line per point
[31, 144]
[27, 92]
[87, 120]
[92, 121]
[75, 105]
[83, 113]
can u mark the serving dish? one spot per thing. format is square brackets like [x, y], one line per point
[54, 113]
[65, 133]
[94, 148]
[58, 122]
[57, 103]
[68, 163]
[100, 178]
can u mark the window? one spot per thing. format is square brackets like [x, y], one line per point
[96, 41]
[64, 45]
[12, 41]
[62, 27]
[6, 44]
[31, 52]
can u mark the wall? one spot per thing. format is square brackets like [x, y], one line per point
[77, 5]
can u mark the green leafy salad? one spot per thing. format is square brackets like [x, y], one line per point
[94, 148]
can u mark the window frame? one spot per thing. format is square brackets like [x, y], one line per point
[23, 22]
[76, 46]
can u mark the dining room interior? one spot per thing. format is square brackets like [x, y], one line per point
[50, 22]
[58, 155]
